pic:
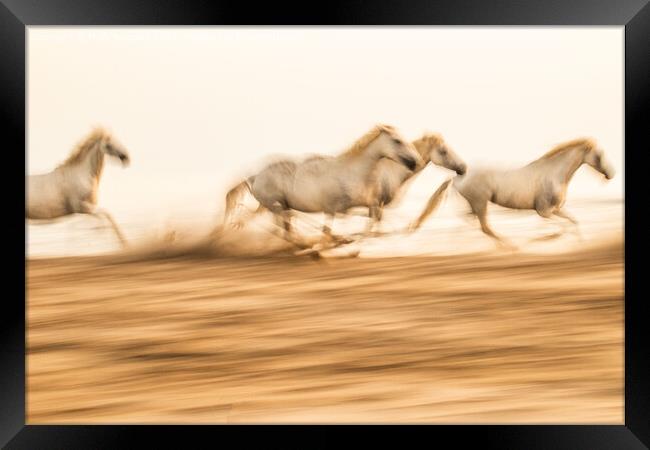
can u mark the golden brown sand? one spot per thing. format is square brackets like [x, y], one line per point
[475, 338]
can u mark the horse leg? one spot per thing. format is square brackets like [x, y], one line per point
[565, 215]
[286, 222]
[118, 232]
[546, 210]
[330, 238]
[283, 219]
[548, 237]
[282, 226]
[480, 211]
[85, 207]
[327, 226]
[375, 214]
[100, 223]
[327, 230]
[371, 220]
[432, 204]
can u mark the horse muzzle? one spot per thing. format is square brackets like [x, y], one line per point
[408, 162]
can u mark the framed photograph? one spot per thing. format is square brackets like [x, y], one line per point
[357, 214]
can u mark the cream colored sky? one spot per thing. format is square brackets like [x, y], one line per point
[199, 107]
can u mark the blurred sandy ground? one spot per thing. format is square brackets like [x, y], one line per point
[442, 328]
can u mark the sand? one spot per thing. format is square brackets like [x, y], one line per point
[488, 337]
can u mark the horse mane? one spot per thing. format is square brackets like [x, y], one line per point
[564, 146]
[360, 144]
[82, 148]
[429, 139]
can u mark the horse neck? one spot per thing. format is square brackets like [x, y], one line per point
[363, 163]
[92, 164]
[564, 165]
[422, 147]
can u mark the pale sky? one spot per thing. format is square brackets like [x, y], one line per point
[197, 108]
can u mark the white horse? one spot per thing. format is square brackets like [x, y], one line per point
[71, 188]
[540, 185]
[389, 178]
[329, 184]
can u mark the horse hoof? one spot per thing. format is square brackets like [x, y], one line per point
[312, 253]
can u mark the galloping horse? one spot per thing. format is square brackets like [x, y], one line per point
[329, 184]
[71, 188]
[540, 185]
[389, 178]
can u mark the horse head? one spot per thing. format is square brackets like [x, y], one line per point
[112, 147]
[395, 147]
[436, 150]
[595, 157]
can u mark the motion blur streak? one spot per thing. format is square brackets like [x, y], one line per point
[471, 338]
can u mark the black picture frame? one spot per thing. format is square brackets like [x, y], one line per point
[634, 15]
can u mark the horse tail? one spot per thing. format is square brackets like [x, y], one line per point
[433, 203]
[233, 196]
